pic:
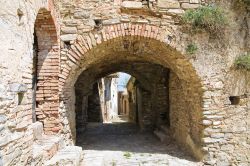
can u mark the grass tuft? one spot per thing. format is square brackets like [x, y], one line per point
[127, 155]
[243, 62]
[211, 18]
[191, 48]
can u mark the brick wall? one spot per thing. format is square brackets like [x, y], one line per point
[47, 99]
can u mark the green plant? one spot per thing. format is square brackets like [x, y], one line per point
[210, 18]
[243, 62]
[127, 155]
[113, 163]
[191, 48]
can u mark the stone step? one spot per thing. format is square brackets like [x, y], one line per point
[68, 156]
[37, 128]
[161, 135]
[46, 147]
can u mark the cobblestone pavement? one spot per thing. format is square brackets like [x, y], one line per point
[121, 144]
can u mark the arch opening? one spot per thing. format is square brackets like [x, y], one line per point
[45, 72]
[170, 88]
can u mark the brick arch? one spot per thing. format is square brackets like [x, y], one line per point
[49, 6]
[131, 42]
[46, 69]
[84, 44]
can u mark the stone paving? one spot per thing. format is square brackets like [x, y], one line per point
[121, 144]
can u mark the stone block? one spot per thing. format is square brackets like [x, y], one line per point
[1, 127]
[132, 4]
[217, 135]
[206, 122]
[23, 125]
[69, 30]
[208, 140]
[11, 125]
[3, 118]
[111, 21]
[37, 128]
[175, 11]
[68, 37]
[168, 4]
[16, 87]
[82, 15]
[194, 1]
[190, 6]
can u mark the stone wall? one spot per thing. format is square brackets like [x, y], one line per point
[17, 20]
[181, 126]
[211, 61]
[94, 33]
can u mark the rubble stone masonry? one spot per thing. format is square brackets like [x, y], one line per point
[57, 42]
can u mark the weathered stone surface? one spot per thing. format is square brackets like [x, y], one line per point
[1, 127]
[207, 122]
[3, 119]
[37, 128]
[69, 30]
[175, 11]
[68, 37]
[111, 21]
[16, 87]
[194, 1]
[197, 93]
[190, 6]
[131, 4]
[70, 155]
[82, 14]
[169, 4]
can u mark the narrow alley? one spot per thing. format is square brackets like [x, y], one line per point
[122, 144]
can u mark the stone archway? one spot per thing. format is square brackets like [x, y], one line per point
[130, 43]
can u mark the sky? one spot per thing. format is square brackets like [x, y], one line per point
[122, 81]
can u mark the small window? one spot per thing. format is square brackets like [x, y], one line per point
[20, 98]
[98, 23]
[66, 44]
[235, 100]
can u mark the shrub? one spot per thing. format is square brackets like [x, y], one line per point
[210, 18]
[191, 48]
[243, 62]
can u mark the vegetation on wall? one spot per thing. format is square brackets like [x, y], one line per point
[191, 48]
[247, 2]
[211, 18]
[243, 62]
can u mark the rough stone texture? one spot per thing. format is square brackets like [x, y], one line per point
[132, 4]
[124, 144]
[71, 155]
[204, 119]
[16, 135]
[169, 4]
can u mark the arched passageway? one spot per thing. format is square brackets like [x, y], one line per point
[151, 83]
[172, 93]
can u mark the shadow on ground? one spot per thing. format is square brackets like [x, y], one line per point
[126, 137]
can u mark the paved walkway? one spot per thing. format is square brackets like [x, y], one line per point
[121, 144]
